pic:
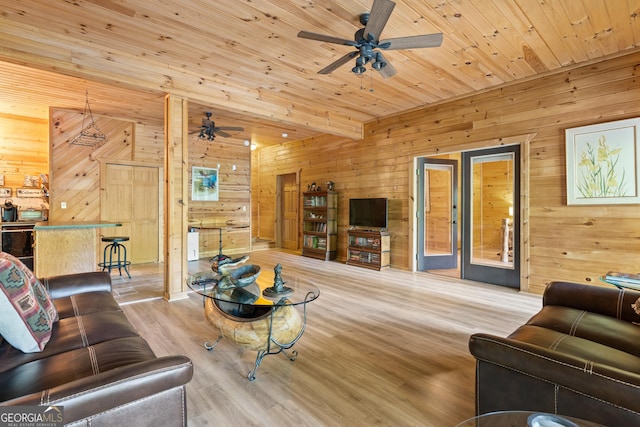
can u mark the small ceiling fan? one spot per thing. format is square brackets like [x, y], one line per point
[209, 130]
[368, 44]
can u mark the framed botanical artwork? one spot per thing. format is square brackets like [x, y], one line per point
[204, 184]
[603, 163]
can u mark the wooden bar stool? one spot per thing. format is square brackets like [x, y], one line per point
[115, 250]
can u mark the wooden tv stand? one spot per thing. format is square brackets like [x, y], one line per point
[369, 248]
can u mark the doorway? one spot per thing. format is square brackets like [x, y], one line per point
[438, 216]
[131, 196]
[287, 211]
[487, 192]
[490, 216]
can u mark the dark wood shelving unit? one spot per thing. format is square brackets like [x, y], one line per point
[369, 248]
[320, 224]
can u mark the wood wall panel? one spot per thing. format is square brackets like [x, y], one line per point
[24, 143]
[232, 211]
[255, 191]
[148, 144]
[75, 169]
[566, 242]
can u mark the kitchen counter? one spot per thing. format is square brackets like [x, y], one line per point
[67, 247]
[53, 225]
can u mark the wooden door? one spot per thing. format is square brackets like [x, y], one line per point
[144, 248]
[131, 196]
[290, 203]
[116, 203]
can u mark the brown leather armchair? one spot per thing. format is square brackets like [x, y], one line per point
[578, 356]
[96, 365]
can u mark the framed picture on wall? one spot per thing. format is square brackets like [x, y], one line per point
[603, 163]
[204, 184]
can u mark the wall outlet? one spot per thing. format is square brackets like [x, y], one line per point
[63, 205]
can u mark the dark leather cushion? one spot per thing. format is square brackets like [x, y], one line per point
[81, 304]
[73, 333]
[49, 372]
[607, 331]
[93, 335]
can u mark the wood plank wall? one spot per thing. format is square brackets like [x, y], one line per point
[75, 169]
[24, 150]
[577, 243]
[75, 175]
[232, 211]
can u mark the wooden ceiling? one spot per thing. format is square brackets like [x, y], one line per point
[242, 59]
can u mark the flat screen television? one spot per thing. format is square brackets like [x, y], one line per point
[371, 212]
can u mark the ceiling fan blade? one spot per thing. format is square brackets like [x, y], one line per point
[221, 133]
[323, 38]
[235, 128]
[413, 42]
[388, 70]
[340, 62]
[380, 13]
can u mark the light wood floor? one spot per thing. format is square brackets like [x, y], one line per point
[382, 348]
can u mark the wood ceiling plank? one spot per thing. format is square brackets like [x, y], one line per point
[634, 14]
[583, 27]
[135, 65]
[550, 20]
[611, 23]
[487, 19]
[245, 57]
[536, 51]
[144, 73]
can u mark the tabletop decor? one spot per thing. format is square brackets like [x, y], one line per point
[278, 290]
[231, 275]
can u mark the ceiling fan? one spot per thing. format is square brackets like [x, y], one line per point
[368, 44]
[209, 129]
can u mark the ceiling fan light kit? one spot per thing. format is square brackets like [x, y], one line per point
[367, 42]
[209, 130]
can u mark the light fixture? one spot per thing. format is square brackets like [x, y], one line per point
[247, 142]
[90, 135]
[207, 128]
[284, 134]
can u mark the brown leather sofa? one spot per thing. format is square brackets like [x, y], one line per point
[96, 365]
[578, 356]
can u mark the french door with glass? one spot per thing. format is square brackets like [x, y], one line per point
[490, 216]
[437, 214]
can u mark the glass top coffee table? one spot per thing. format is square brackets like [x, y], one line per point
[267, 314]
[525, 419]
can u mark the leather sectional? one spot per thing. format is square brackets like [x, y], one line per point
[95, 365]
[578, 356]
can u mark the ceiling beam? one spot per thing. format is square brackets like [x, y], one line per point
[33, 47]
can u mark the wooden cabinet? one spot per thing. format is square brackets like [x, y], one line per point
[369, 249]
[320, 224]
